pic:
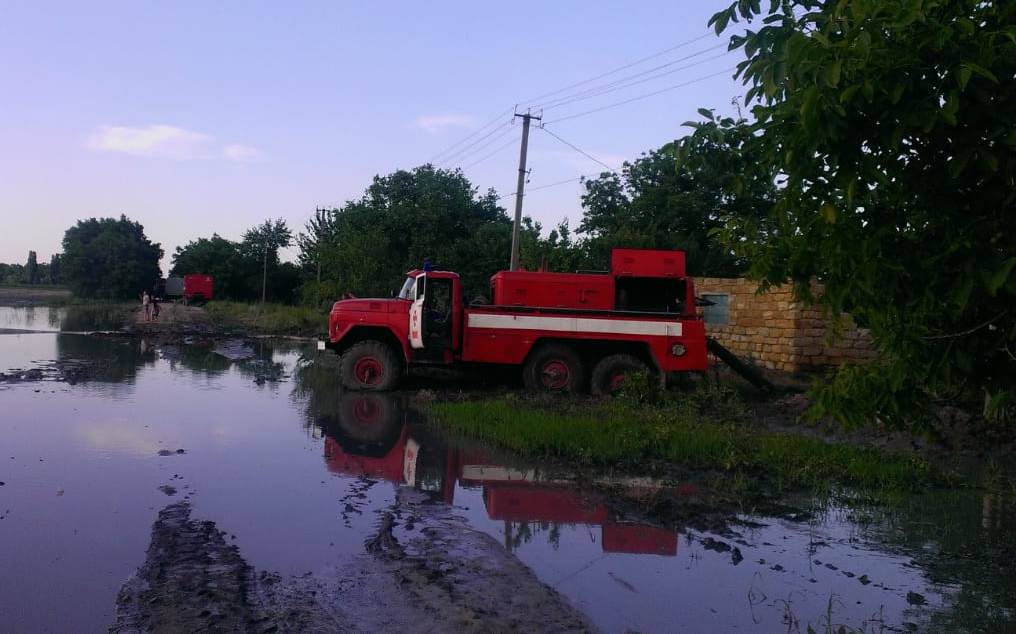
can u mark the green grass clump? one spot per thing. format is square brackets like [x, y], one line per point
[272, 319]
[618, 434]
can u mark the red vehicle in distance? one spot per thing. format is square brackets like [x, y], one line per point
[197, 288]
[565, 331]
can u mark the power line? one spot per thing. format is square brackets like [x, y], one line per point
[619, 68]
[493, 119]
[478, 144]
[579, 150]
[641, 97]
[549, 185]
[626, 82]
[460, 157]
[500, 148]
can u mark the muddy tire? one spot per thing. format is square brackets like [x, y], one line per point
[553, 368]
[370, 366]
[610, 371]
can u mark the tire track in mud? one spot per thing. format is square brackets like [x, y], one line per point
[425, 570]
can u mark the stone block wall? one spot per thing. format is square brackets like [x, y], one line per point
[779, 333]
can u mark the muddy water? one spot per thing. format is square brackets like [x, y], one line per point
[260, 440]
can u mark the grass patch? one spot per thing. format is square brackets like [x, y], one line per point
[598, 433]
[269, 319]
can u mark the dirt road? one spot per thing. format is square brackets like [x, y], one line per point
[172, 318]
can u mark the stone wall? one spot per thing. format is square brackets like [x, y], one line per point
[778, 333]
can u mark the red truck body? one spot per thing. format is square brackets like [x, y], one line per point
[566, 330]
[197, 287]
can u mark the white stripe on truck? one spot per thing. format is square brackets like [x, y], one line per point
[575, 324]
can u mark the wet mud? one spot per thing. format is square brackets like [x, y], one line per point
[424, 570]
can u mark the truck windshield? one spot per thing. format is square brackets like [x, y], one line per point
[407, 289]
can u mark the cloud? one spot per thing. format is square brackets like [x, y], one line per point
[437, 123]
[243, 153]
[168, 141]
[164, 141]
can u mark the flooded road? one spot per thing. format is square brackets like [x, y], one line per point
[258, 438]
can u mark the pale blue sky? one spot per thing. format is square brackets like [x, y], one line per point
[196, 118]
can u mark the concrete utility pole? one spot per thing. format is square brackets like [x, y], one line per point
[520, 189]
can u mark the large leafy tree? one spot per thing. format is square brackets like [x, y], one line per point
[220, 258]
[890, 124]
[263, 242]
[109, 258]
[404, 218]
[677, 197]
[239, 268]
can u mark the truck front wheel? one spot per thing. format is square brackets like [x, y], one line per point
[553, 368]
[609, 374]
[370, 366]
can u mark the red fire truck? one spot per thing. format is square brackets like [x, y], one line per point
[567, 331]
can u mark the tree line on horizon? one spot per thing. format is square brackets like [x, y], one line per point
[32, 272]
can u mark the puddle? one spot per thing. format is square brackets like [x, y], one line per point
[296, 473]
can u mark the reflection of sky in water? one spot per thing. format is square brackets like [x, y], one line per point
[26, 351]
[269, 463]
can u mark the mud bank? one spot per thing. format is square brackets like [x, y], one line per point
[425, 570]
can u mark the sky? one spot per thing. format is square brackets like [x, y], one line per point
[196, 118]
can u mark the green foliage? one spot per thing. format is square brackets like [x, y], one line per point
[606, 434]
[641, 389]
[367, 245]
[677, 197]
[408, 216]
[53, 273]
[265, 240]
[272, 319]
[32, 268]
[890, 125]
[109, 258]
[238, 266]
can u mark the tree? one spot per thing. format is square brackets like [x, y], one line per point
[368, 244]
[54, 269]
[890, 123]
[318, 232]
[677, 197]
[109, 258]
[32, 268]
[264, 242]
[219, 258]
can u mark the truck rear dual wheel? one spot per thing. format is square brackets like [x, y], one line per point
[610, 372]
[370, 366]
[554, 368]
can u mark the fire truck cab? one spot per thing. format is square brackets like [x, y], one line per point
[566, 331]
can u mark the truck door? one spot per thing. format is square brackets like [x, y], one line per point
[416, 321]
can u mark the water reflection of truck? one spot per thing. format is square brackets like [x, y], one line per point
[565, 331]
[373, 436]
